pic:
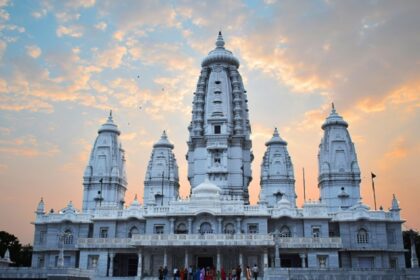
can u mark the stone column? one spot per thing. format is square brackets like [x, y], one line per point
[186, 259]
[111, 264]
[190, 229]
[220, 220]
[303, 257]
[140, 264]
[238, 225]
[240, 259]
[277, 262]
[414, 259]
[218, 261]
[265, 258]
[172, 230]
[165, 258]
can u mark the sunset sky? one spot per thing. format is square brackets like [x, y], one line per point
[65, 64]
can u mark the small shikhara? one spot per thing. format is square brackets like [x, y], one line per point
[216, 228]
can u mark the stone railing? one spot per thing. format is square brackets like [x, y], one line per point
[209, 240]
[310, 242]
[104, 243]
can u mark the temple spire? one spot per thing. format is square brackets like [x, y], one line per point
[220, 43]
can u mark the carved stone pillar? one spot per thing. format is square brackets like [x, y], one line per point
[190, 229]
[140, 264]
[277, 262]
[172, 229]
[265, 258]
[186, 259]
[111, 265]
[303, 258]
[240, 259]
[238, 225]
[165, 258]
[220, 220]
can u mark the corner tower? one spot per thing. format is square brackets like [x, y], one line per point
[105, 180]
[161, 183]
[219, 146]
[277, 176]
[339, 173]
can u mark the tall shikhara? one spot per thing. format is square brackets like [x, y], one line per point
[219, 146]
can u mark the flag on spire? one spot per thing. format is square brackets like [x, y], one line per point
[373, 175]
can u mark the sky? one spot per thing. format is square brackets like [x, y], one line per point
[65, 64]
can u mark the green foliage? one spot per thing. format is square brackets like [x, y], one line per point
[20, 255]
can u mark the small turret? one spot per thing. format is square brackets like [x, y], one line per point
[395, 206]
[277, 176]
[105, 179]
[40, 210]
[161, 184]
[339, 174]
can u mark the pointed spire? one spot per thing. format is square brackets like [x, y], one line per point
[109, 125]
[41, 207]
[395, 206]
[276, 139]
[334, 118]
[7, 255]
[220, 43]
[163, 141]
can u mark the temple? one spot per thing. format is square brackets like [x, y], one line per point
[215, 226]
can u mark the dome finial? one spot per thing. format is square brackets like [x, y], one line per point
[164, 136]
[276, 132]
[220, 43]
[333, 107]
[110, 116]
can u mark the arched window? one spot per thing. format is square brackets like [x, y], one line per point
[68, 237]
[133, 230]
[229, 228]
[205, 228]
[362, 236]
[285, 232]
[181, 229]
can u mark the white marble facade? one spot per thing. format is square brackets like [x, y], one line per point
[216, 225]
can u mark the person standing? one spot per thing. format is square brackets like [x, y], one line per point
[248, 273]
[165, 273]
[223, 274]
[255, 271]
[160, 273]
[238, 272]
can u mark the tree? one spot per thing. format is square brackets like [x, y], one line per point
[407, 245]
[19, 255]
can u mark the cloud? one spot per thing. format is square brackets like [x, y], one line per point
[33, 51]
[28, 146]
[101, 25]
[75, 31]
[111, 58]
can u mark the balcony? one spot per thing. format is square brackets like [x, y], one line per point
[310, 242]
[157, 240]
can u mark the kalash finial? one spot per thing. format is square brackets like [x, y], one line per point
[333, 107]
[276, 132]
[220, 43]
[164, 135]
[110, 116]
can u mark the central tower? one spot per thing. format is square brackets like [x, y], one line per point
[219, 146]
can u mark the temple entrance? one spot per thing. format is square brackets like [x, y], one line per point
[125, 265]
[204, 262]
[291, 260]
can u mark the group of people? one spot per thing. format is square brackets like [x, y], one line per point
[208, 273]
